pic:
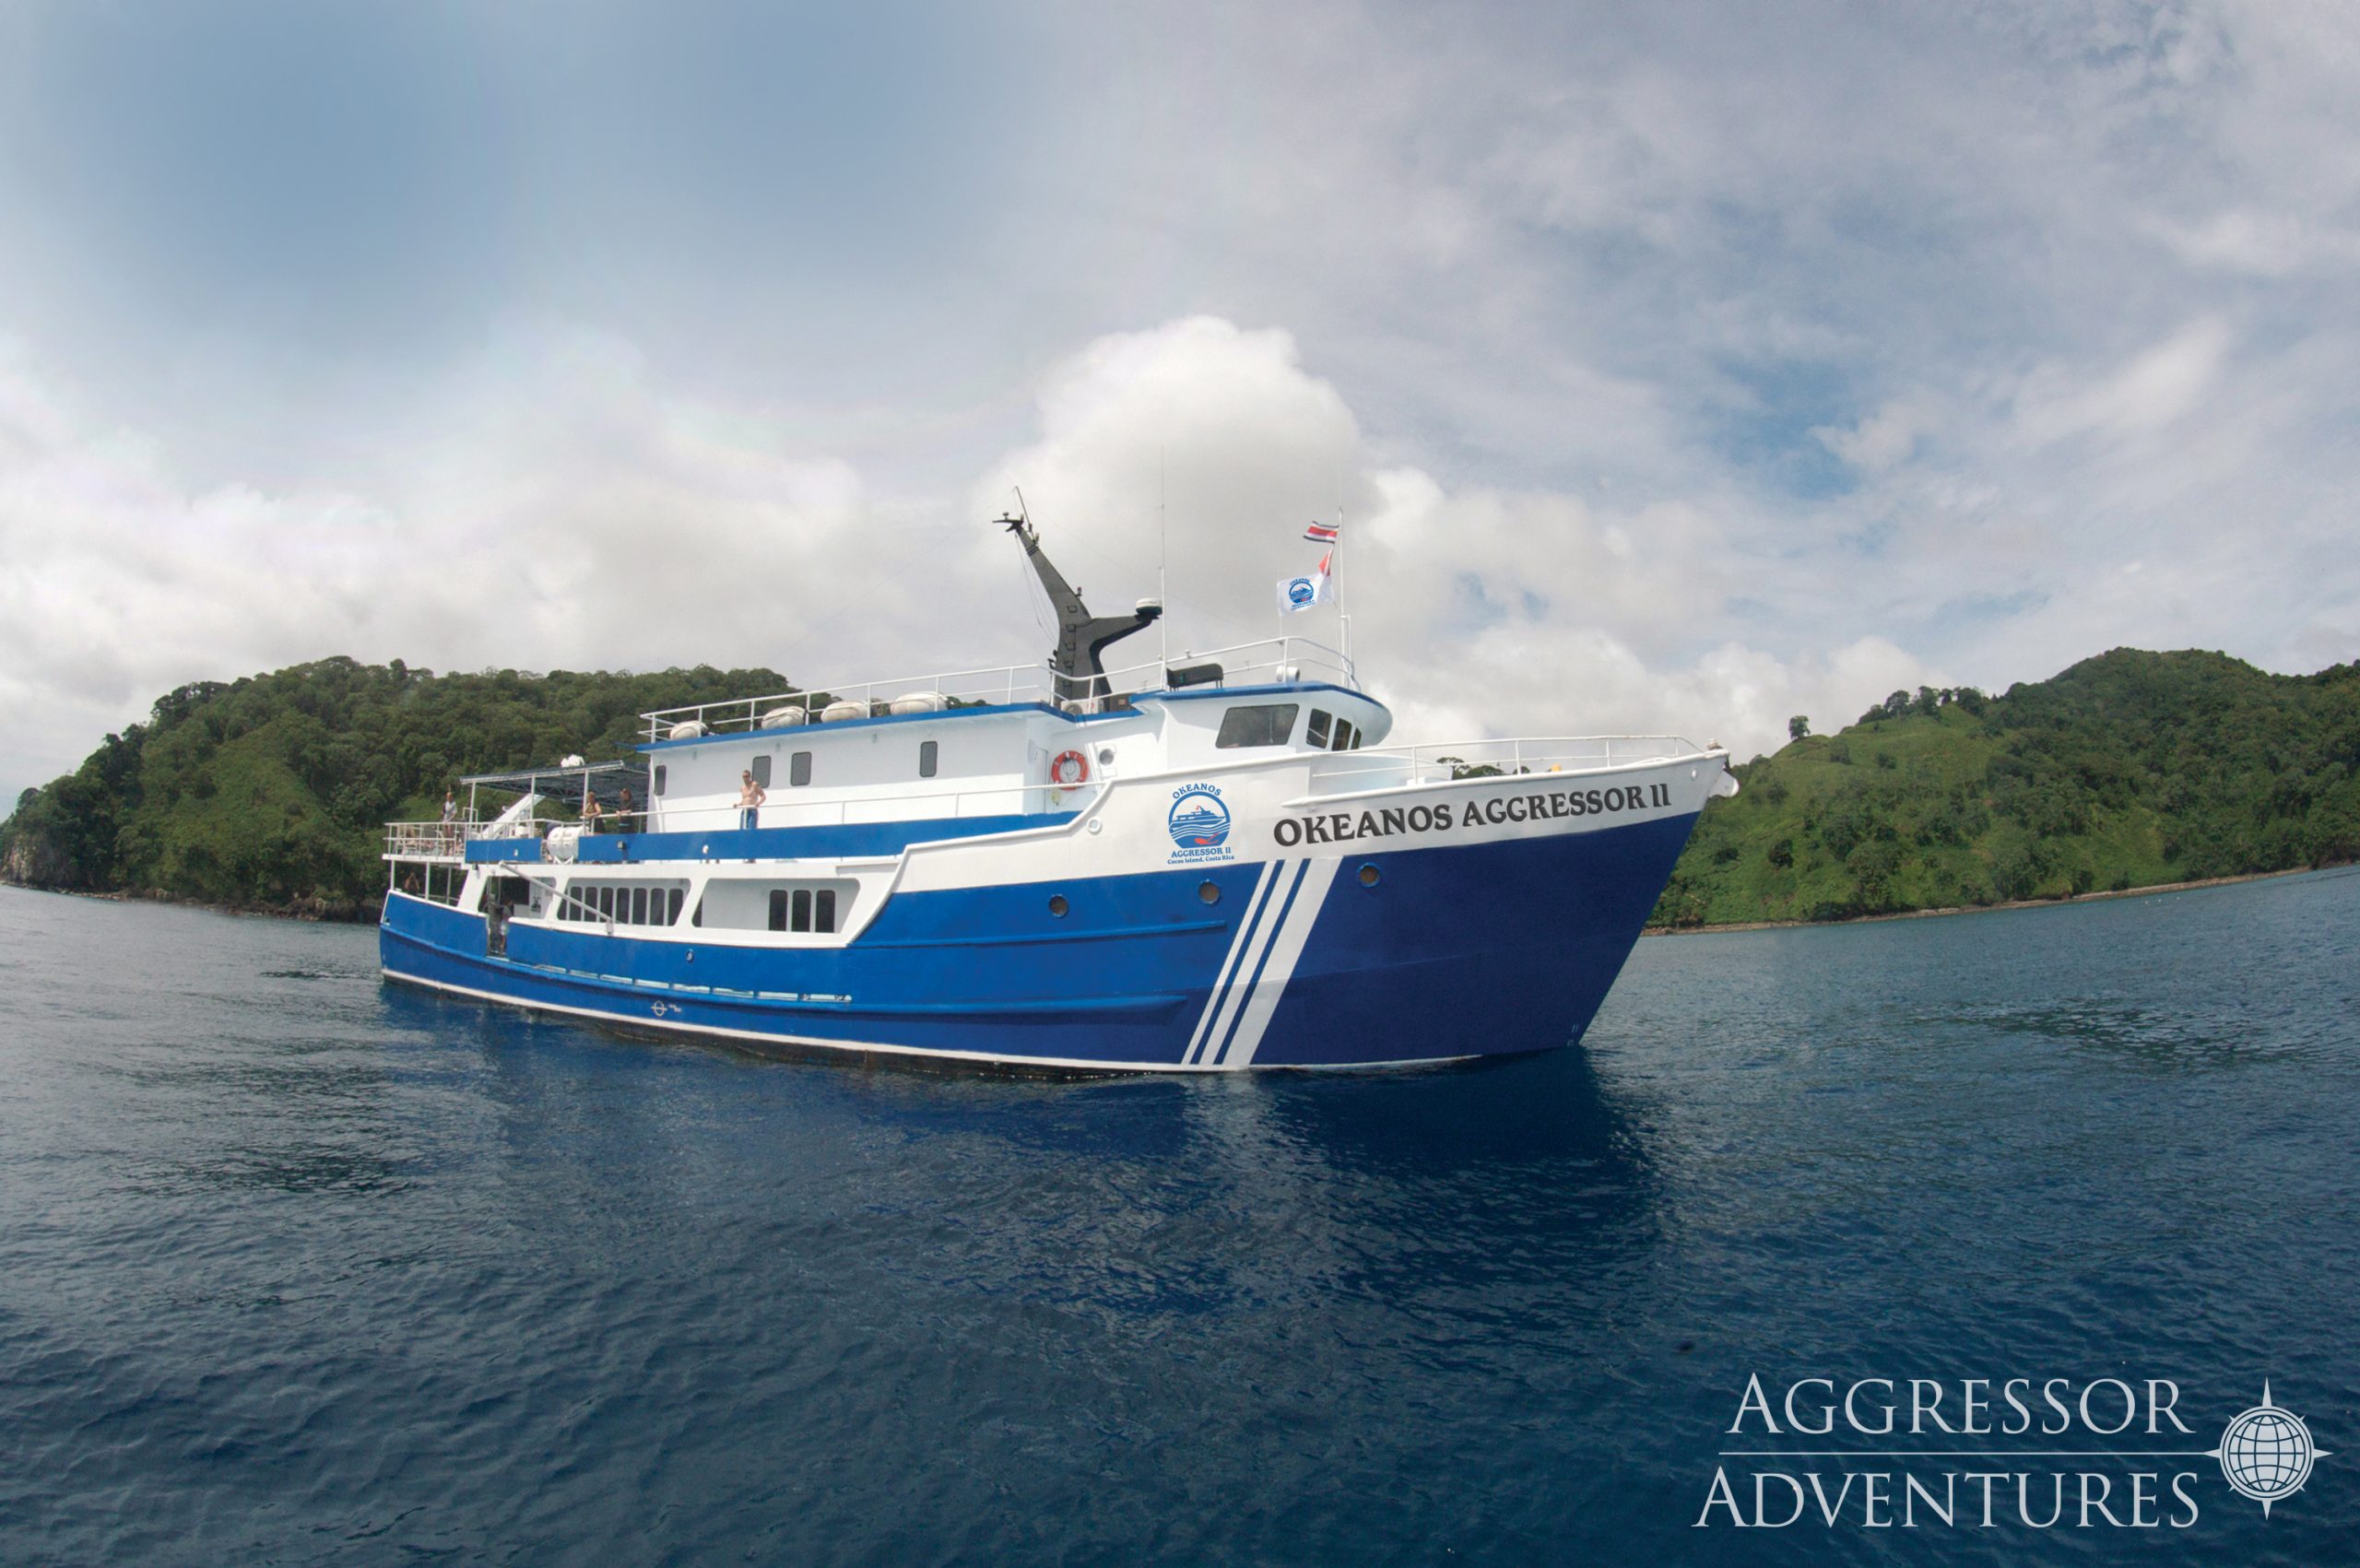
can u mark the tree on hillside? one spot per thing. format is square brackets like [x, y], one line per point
[1799, 726]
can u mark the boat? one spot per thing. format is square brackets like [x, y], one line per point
[1206, 863]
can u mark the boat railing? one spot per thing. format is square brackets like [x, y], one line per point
[1272, 661]
[996, 800]
[1440, 762]
[560, 835]
[435, 840]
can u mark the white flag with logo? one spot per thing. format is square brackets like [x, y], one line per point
[1302, 593]
[1317, 586]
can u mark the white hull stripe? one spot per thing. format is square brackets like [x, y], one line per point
[1291, 935]
[1255, 903]
[1282, 896]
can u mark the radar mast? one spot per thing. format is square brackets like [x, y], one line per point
[1081, 676]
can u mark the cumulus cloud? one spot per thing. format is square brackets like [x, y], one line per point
[568, 516]
[1685, 366]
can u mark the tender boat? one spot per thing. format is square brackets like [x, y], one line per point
[1189, 866]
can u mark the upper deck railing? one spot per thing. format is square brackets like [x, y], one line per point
[432, 841]
[1376, 767]
[1273, 661]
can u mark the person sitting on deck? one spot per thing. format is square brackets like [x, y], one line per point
[750, 797]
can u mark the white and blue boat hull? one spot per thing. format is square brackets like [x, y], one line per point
[1039, 948]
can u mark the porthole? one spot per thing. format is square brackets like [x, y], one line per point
[1105, 756]
[1369, 876]
[1209, 892]
[1058, 905]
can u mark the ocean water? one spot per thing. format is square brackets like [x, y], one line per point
[296, 1267]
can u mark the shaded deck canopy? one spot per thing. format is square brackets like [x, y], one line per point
[604, 780]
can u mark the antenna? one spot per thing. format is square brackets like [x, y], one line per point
[1163, 629]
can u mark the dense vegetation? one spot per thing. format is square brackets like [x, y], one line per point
[2128, 770]
[271, 791]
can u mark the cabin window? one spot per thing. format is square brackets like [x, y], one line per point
[639, 906]
[606, 902]
[803, 909]
[1345, 736]
[672, 906]
[1264, 724]
[1315, 732]
[798, 768]
[762, 770]
[928, 754]
[659, 779]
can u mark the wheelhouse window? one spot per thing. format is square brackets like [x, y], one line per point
[659, 779]
[1347, 737]
[930, 755]
[798, 768]
[1314, 733]
[1261, 723]
[762, 770]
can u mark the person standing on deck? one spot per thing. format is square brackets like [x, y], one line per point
[750, 797]
[450, 820]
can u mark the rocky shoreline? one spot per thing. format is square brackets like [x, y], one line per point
[1978, 908]
[327, 911]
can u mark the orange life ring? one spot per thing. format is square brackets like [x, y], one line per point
[1080, 769]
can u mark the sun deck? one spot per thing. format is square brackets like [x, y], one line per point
[1276, 662]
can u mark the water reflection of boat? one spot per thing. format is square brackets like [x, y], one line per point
[1184, 867]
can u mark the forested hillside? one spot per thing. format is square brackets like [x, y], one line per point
[271, 792]
[2128, 770]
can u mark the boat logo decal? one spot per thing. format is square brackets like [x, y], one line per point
[1198, 825]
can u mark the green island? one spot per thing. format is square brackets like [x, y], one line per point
[2127, 771]
[272, 793]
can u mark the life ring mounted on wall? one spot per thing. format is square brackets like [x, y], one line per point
[1071, 767]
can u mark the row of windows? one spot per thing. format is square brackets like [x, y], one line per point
[798, 766]
[641, 905]
[803, 909]
[1273, 723]
[1346, 737]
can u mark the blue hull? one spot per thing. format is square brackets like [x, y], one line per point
[1454, 951]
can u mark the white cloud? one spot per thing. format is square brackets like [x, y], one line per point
[2157, 388]
[1691, 365]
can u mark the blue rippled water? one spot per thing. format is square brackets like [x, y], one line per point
[298, 1268]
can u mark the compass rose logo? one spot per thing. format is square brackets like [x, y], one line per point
[2267, 1452]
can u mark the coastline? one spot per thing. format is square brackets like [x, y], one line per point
[320, 911]
[1983, 908]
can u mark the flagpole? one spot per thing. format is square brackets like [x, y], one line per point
[1162, 621]
[1343, 616]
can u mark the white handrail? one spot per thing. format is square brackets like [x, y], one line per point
[1282, 660]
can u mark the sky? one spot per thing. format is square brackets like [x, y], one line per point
[1676, 369]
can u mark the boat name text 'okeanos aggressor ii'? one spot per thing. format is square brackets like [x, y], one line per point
[1344, 827]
